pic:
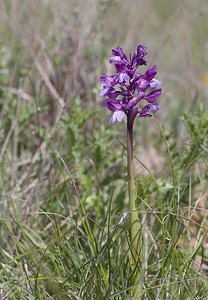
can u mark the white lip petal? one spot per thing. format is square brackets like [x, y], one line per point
[124, 77]
[114, 59]
[117, 116]
[154, 83]
[155, 107]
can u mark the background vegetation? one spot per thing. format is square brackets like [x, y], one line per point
[63, 187]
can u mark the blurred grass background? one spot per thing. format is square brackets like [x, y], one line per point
[57, 146]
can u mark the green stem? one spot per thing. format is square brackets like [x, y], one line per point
[135, 228]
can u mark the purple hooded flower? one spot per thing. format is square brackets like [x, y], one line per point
[128, 89]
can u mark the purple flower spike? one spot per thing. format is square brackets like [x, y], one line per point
[127, 89]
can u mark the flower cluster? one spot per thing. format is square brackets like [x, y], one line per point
[127, 89]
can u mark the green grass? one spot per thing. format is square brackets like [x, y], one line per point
[63, 177]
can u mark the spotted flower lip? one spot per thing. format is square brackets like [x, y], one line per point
[128, 90]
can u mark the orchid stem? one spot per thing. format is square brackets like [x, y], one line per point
[135, 228]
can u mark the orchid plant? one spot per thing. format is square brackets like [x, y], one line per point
[131, 94]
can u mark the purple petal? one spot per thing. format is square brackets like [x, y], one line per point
[133, 58]
[136, 78]
[138, 56]
[114, 59]
[112, 104]
[145, 111]
[149, 108]
[131, 103]
[155, 107]
[119, 52]
[150, 74]
[153, 96]
[109, 91]
[140, 96]
[105, 79]
[120, 68]
[104, 92]
[141, 51]
[143, 84]
[117, 116]
[109, 80]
